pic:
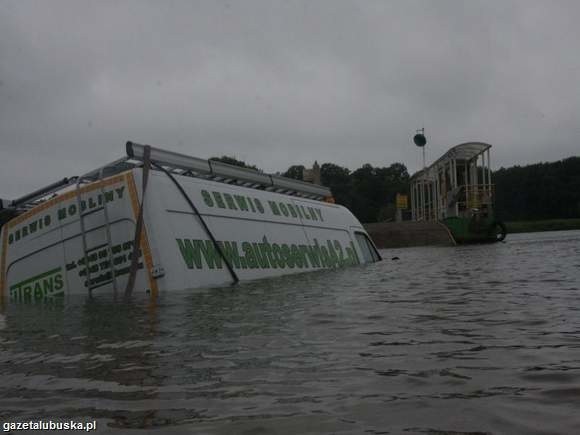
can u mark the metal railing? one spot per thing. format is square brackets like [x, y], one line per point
[476, 196]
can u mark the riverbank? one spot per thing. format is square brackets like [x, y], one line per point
[542, 225]
[406, 234]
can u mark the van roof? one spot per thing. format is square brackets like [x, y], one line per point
[178, 164]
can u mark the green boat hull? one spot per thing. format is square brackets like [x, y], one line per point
[475, 229]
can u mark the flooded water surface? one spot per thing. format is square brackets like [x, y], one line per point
[444, 340]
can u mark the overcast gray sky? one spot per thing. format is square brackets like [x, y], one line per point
[278, 83]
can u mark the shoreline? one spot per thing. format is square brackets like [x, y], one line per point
[393, 235]
[535, 226]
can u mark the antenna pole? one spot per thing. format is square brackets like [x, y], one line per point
[424, 196]
[424, 183]
[422, 131]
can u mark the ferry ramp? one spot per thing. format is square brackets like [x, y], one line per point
[406, 234]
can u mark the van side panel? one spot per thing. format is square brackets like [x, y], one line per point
[38, 272]
[262, 234]
[45, 257]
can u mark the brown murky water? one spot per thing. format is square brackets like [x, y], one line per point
[466, 340]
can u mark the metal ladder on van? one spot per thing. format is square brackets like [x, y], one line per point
[86, 250]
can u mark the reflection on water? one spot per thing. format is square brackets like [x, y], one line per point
[474, 339]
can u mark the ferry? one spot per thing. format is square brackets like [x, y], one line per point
[156, 220]
[457, 191]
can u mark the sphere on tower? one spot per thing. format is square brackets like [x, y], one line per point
[420, 140]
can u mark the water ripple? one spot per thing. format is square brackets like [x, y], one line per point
[467, 340]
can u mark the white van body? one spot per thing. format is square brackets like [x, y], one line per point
[45, 250]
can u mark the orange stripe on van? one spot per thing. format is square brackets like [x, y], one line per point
[64, 197]
[3, 266]
[144, 239]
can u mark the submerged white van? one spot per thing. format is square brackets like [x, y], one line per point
[156, 221]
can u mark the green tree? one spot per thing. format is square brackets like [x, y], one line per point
[295, 172]
[338, 180]
[538, 191]
[233, 161]
[374, 191]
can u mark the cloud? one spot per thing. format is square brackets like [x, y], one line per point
[283, 82]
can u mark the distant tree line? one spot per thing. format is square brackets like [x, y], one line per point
[539, 191]
[233, 161]
[369, 192]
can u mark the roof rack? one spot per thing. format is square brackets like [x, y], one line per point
[178, 164]
[182, 164]
[12, 208]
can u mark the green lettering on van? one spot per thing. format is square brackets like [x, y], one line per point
[207, 198]
[241, 201]
[230, 201]
[191, 256]
[274, 208]
[198, 254]
[43, 286]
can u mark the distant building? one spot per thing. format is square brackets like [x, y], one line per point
[312, 175]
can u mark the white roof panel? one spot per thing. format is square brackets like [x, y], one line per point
[464, 151]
